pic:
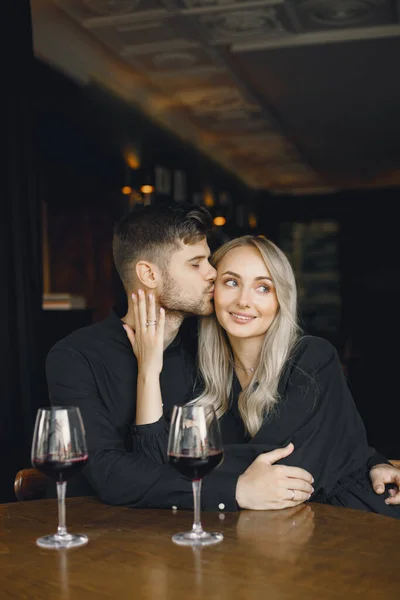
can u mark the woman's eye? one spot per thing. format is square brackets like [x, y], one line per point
[231, 283]
[263, 288]
[195, 266]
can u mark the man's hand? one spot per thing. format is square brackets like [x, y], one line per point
[265, 486]
[385, 474]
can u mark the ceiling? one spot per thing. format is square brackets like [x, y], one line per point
[294, 96]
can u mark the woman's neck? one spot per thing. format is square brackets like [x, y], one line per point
[246, 353]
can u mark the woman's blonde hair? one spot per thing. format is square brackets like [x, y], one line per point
[258, 399]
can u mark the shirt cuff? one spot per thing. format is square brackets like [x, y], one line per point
[150, 428]
[377, 459]
[219, 492]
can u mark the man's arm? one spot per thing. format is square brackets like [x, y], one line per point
[132, 479]
[116, 475]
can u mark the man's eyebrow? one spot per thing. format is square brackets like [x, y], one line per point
[200, 257]
[255, 279]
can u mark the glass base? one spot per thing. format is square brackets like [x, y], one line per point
[189, 538]
[70, 540]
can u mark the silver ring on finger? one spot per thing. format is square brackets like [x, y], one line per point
[148, 323]
[293, 496]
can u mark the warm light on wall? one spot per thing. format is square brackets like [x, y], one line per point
[126, 190]
[131, 157]
[219, 221]
[147, 189]
[208, 198]
[252, 220]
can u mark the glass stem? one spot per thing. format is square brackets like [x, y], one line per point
[61, 488]
[197, 528]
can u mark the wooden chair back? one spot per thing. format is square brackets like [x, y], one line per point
[30, 484]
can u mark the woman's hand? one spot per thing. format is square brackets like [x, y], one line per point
[147, 340]
[266, 486]
[148, 345]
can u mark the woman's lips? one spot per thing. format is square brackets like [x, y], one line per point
[241, 318]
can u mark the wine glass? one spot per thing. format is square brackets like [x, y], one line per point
[59, 451]
[195, 449]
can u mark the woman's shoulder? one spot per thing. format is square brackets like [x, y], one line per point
[312, 359]
[313, 351]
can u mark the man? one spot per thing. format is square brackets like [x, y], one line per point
[163, 250]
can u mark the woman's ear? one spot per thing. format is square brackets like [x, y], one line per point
[147, 274]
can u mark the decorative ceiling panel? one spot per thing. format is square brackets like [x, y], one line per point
[338, 14]
[172, 59]
[236, 123]
[85, 10]
[228, 69]
[238, 25]
[193, 78]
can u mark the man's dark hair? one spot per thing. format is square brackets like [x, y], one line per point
[154, 232]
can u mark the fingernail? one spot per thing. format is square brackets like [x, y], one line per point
[140, 292]
[312, 479]
[133, 296]
[150, 296]
[379, 488]
[387, 501]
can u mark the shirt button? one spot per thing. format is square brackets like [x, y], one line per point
[221, 506]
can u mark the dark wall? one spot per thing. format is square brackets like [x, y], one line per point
[81, 137]
[82, 133]
[370, 289]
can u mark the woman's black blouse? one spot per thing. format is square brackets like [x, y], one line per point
[317, 413]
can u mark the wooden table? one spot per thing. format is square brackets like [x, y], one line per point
[310, 552]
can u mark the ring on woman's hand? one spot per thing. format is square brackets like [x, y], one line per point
[151, 323]
[294, 493]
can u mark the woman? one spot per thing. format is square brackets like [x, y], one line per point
[271, 386]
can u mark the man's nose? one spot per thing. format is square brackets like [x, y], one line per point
[211, 274]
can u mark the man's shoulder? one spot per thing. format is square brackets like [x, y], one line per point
[86, 338]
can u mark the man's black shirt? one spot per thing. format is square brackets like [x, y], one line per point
[95, 369]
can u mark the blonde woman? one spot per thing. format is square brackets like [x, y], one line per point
[271, 386]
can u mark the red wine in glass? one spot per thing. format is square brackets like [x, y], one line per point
[59, 450]
[196, 467]
[60, 470]
[195, 449]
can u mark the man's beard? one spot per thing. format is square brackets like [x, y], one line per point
[176, 304]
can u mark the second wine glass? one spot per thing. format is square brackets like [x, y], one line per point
[195, 449]
[59, 451]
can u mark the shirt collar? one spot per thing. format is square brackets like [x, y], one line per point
[114, 323]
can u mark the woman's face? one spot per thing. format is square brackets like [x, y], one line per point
[245, 297]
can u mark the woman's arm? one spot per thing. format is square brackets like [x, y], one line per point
[148, 345]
